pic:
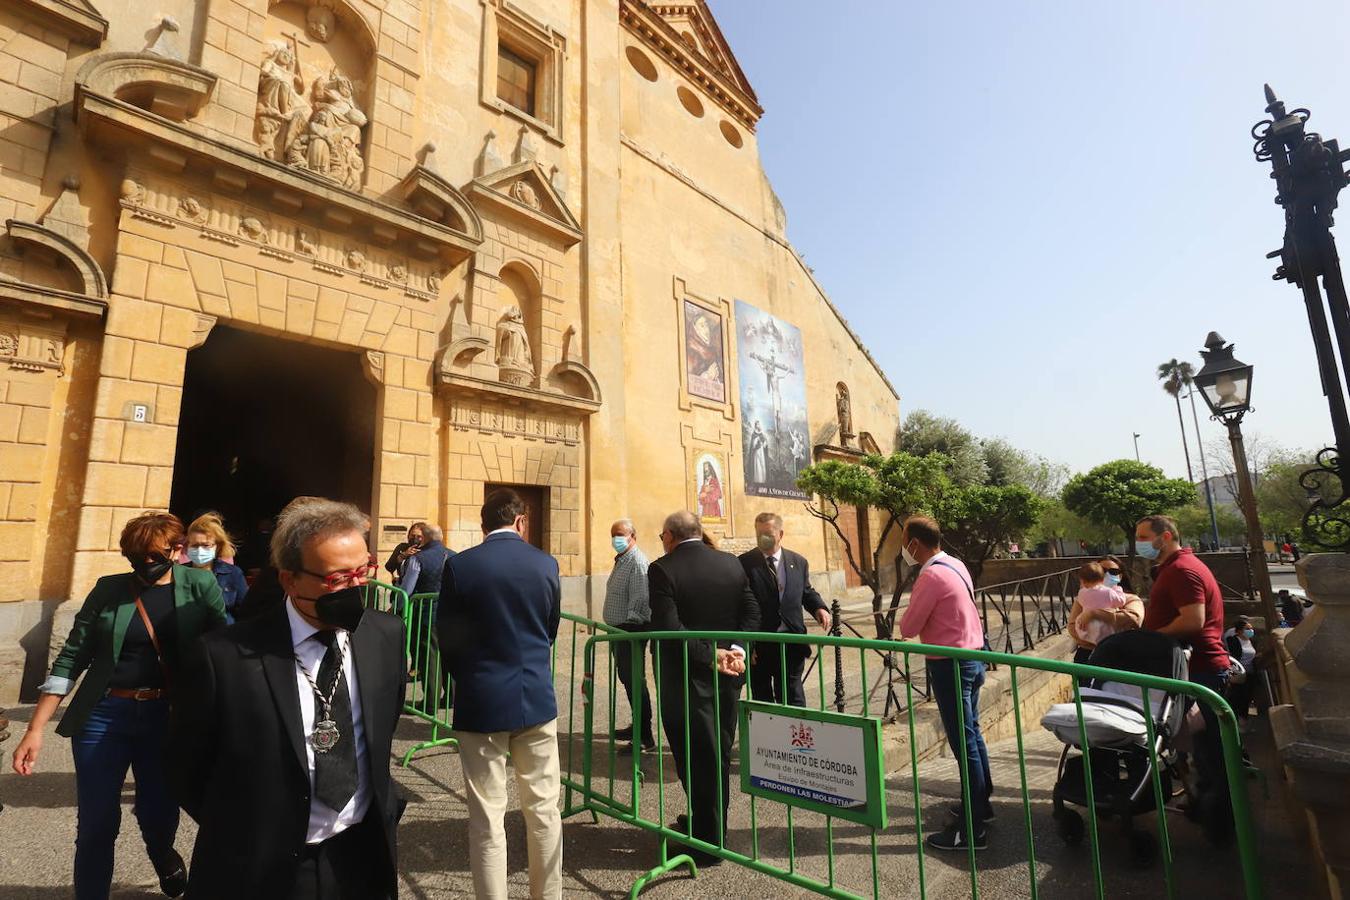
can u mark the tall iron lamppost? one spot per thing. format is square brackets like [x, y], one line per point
[1308, 176]
[1226, 385]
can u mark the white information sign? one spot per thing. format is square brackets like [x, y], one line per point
[807, 759]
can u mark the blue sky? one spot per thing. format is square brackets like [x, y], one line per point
[1065, 192]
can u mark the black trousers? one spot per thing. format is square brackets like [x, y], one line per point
[709, 729]
[623, 667]
[766, 673]
[352, 865]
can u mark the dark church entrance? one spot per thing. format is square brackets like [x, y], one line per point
[265, 420]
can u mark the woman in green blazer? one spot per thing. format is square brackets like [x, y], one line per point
[126, 641]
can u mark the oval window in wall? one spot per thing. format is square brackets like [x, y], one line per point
[731, 134]
[639, 61]
[689, 100]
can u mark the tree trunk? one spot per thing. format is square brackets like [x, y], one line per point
[1185, 448]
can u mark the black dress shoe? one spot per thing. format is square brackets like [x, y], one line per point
[623, 734]
[680, 824]
[173, 875]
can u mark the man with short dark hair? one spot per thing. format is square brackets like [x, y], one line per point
[942, 613]
[781, 580]
[309, 692]
[497, 619]
[1186, 604]
[697, 588]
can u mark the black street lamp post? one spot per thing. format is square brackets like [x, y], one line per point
[1226, 385]
[1308, 176]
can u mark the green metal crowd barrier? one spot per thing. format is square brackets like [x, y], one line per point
[598, 786]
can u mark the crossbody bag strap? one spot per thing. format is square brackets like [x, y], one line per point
[154, 640]
[970, 591]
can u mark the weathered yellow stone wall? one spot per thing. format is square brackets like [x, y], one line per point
[599, 216]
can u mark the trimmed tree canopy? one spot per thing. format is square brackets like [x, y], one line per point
[1121, 493]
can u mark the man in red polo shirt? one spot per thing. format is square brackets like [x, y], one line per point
[1185, 603]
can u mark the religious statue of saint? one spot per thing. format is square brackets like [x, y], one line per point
[513, 344]
[331, 142]
[282, 109]
[843, 406]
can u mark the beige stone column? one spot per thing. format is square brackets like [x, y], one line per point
[1313, 733]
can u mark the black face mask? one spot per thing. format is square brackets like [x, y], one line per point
[153, 570]
[341, 609]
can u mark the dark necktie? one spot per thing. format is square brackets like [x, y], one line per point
[335, 771]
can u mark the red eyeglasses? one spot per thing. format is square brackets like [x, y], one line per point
[346, 577]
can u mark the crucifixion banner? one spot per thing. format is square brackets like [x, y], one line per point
[774, 435]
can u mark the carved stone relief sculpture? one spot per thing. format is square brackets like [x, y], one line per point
[514, 361]
[320, 23]
[524, 192]
[321, 131]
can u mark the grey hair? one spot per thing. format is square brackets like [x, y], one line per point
[627, 525]
[683, 525]
[433, 533]
[312, 519]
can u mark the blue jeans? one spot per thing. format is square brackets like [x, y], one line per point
[120, 734]
[942, 684]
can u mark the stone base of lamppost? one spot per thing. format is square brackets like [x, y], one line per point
[1312, 732]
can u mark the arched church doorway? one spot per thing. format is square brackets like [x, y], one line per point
[265, 420]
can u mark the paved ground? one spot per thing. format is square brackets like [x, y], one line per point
[37, 830]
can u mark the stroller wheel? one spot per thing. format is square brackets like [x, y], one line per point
[1143, 848]
[1069, 824]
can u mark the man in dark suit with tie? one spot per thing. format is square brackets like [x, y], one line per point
[280, 740]
[781, 580]
[696, 588]
[497, 618]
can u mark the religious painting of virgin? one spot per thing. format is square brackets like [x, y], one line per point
[772, 375]
[712, 494]
[705, 370]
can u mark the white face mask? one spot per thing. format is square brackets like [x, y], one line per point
[907, 556]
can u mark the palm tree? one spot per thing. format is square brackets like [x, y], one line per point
[1175, 375]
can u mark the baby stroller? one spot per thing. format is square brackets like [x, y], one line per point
[1118, 741]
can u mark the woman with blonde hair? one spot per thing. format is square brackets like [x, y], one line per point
[208, 547]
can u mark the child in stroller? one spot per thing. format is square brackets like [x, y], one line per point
[1118, 739]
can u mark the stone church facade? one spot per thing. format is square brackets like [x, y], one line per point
[448, 243]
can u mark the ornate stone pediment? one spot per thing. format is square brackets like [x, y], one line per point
[524, 191]
[165, 87]
[90, 299]
[76, 18]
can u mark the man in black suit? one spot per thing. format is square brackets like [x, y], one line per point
[781, 580]
[280, 742]
[696, 588]
[497, 619]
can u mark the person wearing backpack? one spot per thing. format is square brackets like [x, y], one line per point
[942, 613]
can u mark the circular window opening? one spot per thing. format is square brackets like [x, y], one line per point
[639, 61]
[731, 134]
[689, 100]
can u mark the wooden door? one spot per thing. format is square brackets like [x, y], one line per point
[536, 509]
[853, 523]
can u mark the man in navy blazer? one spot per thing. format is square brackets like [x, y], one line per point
[496, 620]
[781, 580]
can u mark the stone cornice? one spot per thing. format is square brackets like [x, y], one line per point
[176, 146]
[658, 35]
[51, 298]
[76, 19]
[514, 394]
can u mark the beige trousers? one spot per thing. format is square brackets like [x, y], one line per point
[534, 755]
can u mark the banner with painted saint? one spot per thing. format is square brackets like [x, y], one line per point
[710, 476]
[774, 433]
[705, 368]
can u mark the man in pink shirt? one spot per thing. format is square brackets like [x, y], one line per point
[942, 612]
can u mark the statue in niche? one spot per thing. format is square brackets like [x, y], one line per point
[282, 109]
[330, 144]
[320, 23]
[513, 348]
[844, 407]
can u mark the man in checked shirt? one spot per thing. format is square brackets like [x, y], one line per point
[627, 607]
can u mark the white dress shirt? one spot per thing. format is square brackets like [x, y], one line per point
[324, 822]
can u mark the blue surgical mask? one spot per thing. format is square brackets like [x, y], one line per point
[620, 543]
[1112, 579]
[1248, 634]
[200, 556]
[1146, 549]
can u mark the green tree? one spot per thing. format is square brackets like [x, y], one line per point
[1005, 464]
[1058, 525]
[1193, 520]
[923, 433]
[1282, 499]
[898, 485]
[977, 519]
[1122, 492]
[1175, 375]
